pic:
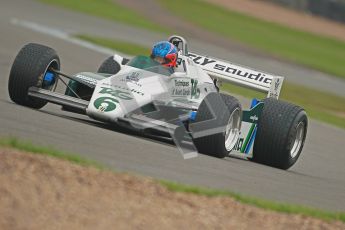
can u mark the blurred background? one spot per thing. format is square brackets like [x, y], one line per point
[331, 9]
[304, 41]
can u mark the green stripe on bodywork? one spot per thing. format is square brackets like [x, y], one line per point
[247, 138]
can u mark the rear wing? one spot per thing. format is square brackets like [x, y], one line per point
[239, 75]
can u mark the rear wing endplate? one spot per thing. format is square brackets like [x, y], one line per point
[239, 75]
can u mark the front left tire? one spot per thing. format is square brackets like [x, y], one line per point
[29, 69]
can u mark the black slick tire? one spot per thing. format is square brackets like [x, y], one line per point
[278, 127]
[110, 66]
[28, 69]
[223, 107]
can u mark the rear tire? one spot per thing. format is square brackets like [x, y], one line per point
[281, 133]
[29, 69]
[228, 110]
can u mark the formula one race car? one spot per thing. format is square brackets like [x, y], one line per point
[184, 104]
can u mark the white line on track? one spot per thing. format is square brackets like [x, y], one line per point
[57, 33]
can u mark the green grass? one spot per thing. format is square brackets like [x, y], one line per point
[322, 53]
[108, 9]
[121, 46]
[176, 187]
[319, 105]
[27, 146]
[261, 203]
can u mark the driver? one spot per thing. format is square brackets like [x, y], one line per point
[164, 53]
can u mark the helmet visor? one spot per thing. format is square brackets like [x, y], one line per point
[160, 60]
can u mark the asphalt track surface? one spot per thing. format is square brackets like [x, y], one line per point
[317, 179]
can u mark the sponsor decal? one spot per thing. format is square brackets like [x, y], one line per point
[244, 145]
[125, 89]
[239, 144]
[133, 77]
[181, 83]
[186, 88]
[254, 118]
[227, 68]
[86, 79]
[274, 92]
[200, 60]
[182, 87]
[116, 93]
[181, 91]
[253, 115]
[277, 84]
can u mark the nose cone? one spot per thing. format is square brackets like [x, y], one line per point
[118, 95]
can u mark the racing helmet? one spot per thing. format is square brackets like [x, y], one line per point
[165, 53]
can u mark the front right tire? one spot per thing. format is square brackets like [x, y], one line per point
[110, 66]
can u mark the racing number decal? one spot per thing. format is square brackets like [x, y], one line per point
[195, 90]
[107, 104]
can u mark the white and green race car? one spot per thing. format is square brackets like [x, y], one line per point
[183, 104]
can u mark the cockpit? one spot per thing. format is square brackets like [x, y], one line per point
[148, 64]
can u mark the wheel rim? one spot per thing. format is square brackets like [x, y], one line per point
[55, 64]
[232, 131]
[297, 145]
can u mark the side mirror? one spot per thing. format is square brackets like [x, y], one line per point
[177, 41]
